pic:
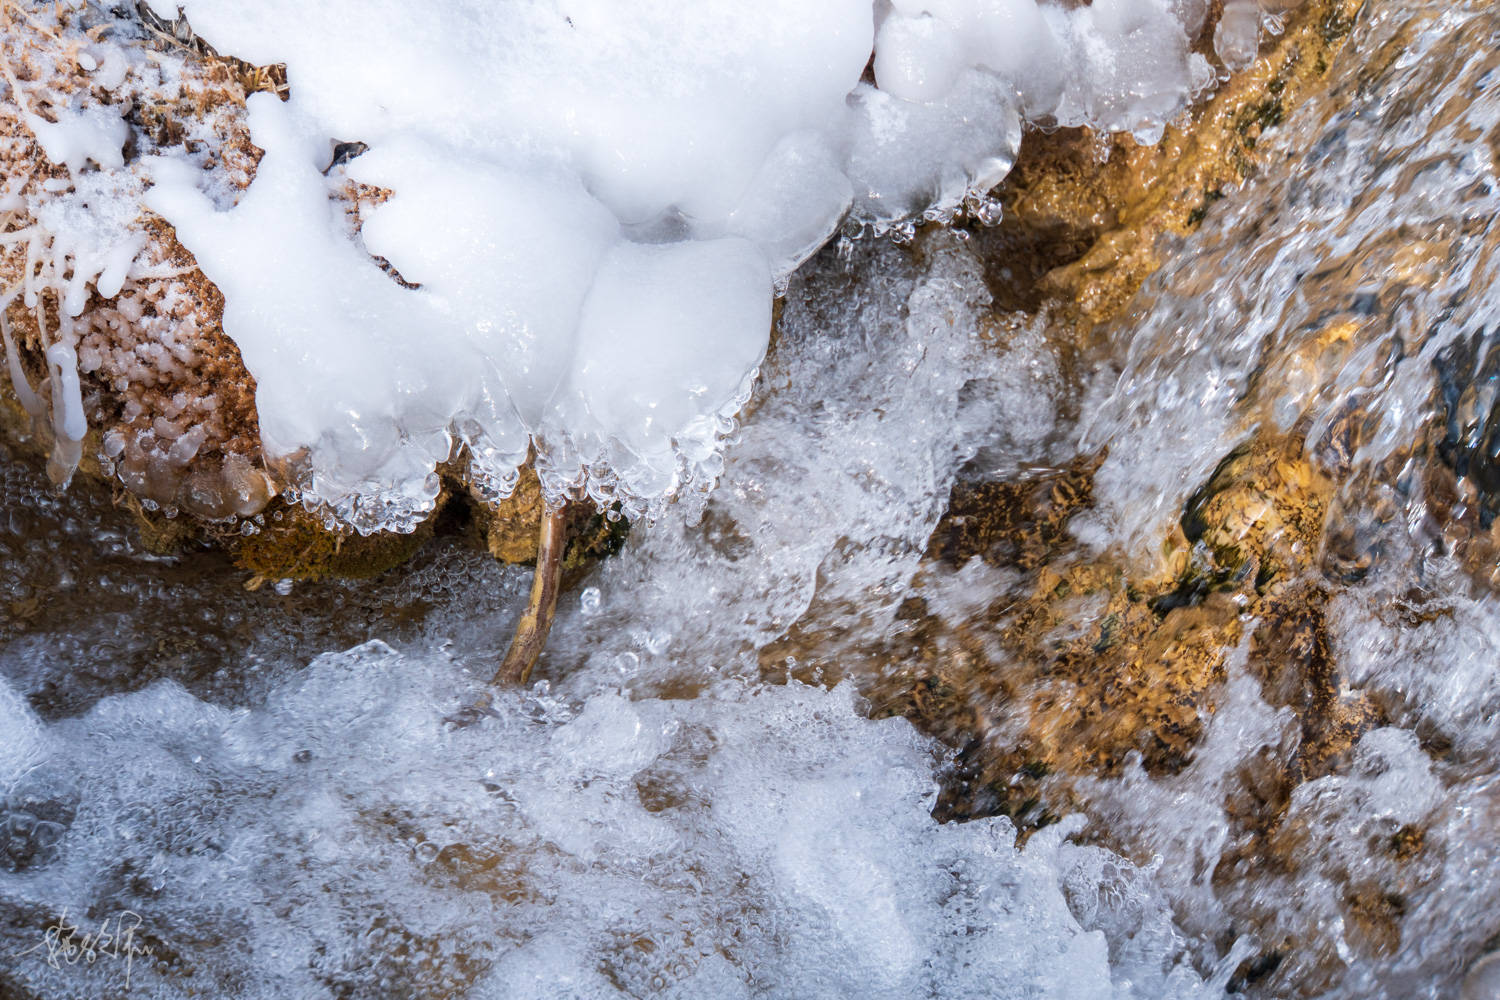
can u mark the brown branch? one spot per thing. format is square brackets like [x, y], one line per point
[536, 620]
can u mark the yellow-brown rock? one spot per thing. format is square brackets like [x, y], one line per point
[1086, 217]
[169, 403]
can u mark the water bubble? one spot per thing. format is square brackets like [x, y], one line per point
[989, 212]
[588, 601]
[284, 587]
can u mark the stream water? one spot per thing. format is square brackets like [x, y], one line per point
[260, 785]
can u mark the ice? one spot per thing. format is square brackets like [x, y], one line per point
[517, 300]
[604, 130]
[1129, 66]
[651, 818]
[506, 212]
[81, 240]
[794, 204]
[1237, 33]
[82, 135]
[446, 318]
[753, 841]
[638, 378]
[67, 400]
[918, 58]
[1118, 65]
[865, 413]
[907, 158]
[24, 740]
[92, 235]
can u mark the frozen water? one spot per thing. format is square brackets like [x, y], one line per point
[651, 817]
[748, 842]
[567, 291]
[541, 321]
[24, 741]
[320, 831]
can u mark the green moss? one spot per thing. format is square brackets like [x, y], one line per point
[1107, 632]
[1337, 24]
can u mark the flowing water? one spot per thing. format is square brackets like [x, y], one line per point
[261, 786]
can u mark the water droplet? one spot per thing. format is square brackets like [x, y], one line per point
[989, 212]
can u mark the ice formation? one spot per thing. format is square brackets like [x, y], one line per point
[741, 844]
[327, 835]
[655, 821]
[595, 241]
[587, 207]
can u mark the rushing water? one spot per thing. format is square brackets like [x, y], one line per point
[286, 815]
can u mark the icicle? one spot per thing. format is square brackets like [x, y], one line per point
[68, 422]
[28, 398]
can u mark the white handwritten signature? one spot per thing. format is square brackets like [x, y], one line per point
[65, 943]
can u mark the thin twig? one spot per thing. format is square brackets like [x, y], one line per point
[536, 620]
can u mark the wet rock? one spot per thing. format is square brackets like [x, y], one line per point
[169, 404]
[1088, 218]
[1018, 523]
